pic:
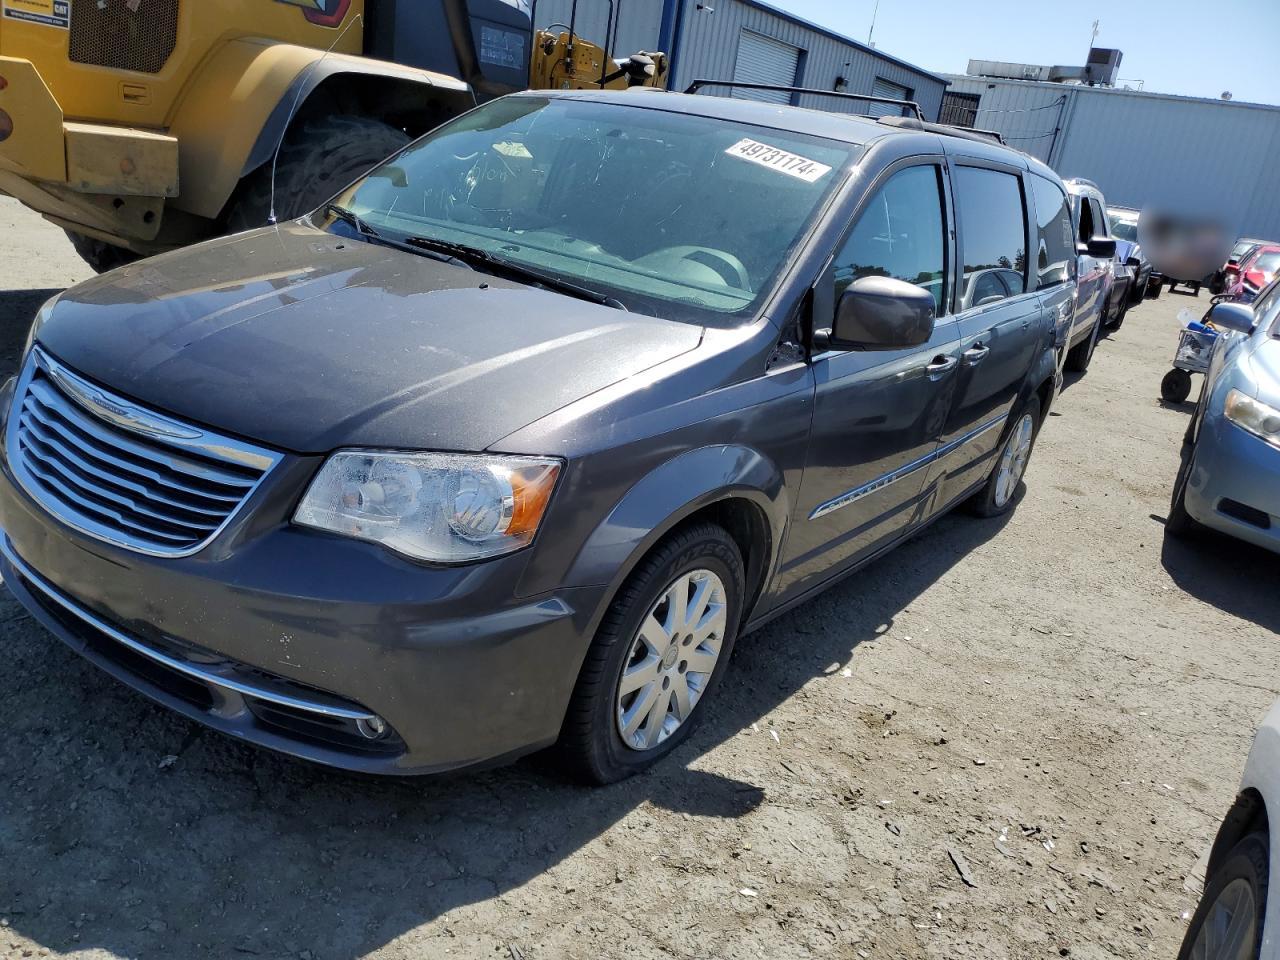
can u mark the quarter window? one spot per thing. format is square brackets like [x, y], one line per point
[993, 228]
[1056, 252]
[899, 234]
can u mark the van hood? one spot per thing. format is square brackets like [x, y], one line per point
[308, 341]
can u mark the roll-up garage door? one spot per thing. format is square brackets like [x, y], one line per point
[894, 91]
[762, 59]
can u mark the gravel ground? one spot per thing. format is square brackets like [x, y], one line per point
[1056, 706]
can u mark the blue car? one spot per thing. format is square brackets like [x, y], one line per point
[1229, 479]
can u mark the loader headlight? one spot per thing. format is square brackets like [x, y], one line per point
[1253, 415]
[439, 507]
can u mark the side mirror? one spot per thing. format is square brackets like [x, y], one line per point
[879, 313]
[1104, 248]
[1232, 316]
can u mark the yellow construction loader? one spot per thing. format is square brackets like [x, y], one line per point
[143, 125]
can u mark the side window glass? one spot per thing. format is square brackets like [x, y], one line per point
[899, 234]
[1099, 221]
[1056, 247]
[993, 229]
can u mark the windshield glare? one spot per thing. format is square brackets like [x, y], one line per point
[685, 217]
[1124, 229]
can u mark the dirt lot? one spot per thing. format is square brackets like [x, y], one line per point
[1062, 700]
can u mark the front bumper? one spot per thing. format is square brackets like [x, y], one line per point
[293, 640]
[1234, 486]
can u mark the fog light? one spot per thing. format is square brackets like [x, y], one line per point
[6, 125]
[373, 728]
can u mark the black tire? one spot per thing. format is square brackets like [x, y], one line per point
[318, 158]
[1195, 288]
[1081, 355]
[1122, 311]
[1175, 386]
[1179, 523]
[984, 502]
[98, 254]
[591, 746]
[1246, 867]
[1153, 290]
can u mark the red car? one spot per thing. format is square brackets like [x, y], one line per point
[1255, 271]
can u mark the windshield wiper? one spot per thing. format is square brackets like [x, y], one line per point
[353, 218]
[367, 231]
[499, 264]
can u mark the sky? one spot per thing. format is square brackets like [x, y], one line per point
[1175, 46]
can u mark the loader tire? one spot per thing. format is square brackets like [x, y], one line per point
[99, 254]
[318, 158]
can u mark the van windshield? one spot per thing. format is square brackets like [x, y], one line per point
[685, 217]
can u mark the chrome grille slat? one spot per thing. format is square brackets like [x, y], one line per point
[53, 482]
[33, 430]
[119, 472]
[43, 392]
[89, 445]
[97, 492]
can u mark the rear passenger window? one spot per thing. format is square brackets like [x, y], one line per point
[899, 234]
[993, 229]
[1056, 253]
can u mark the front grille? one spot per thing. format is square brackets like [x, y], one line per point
[123, 34]
[121, 473]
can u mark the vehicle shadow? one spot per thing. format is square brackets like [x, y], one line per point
[17, 307]
[129, 829]
[1232, 575]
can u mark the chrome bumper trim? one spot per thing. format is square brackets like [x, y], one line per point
[204, 675]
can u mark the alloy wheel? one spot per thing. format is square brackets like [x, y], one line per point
[671, 660]
[1013, 460]
[1228, 931]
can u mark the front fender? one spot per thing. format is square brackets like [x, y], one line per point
[232, 114]
[676, 490]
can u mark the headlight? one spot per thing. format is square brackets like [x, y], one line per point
[1253, 415]
[444, 508]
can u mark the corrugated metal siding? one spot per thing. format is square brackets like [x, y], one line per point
[1143, 148]
[1026, 115]
[709, 42]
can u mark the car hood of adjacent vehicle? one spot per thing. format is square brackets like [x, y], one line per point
[308, 341]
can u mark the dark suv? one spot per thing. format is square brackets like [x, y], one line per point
[509, 443]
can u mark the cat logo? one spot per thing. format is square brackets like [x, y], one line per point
[325, 13]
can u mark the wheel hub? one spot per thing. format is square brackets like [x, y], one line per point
[672, 657]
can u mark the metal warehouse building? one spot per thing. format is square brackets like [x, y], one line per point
[747, 40]
[1140, 148]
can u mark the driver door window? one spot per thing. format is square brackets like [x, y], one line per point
[899, 234]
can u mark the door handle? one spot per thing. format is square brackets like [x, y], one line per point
[976, 354]
[941, 364]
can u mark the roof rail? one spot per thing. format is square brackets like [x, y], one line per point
[946, 129]
[862, 97]
[1083, 182]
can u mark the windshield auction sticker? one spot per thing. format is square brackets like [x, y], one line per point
[49, 13]
[792, 164]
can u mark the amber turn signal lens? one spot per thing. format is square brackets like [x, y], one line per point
[531, 488]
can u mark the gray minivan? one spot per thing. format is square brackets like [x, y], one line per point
[509, 443]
